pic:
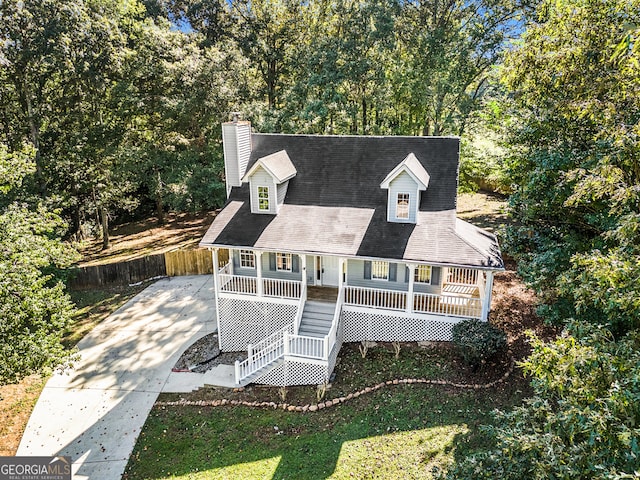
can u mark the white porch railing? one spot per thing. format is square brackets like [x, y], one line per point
[271, 287]
[305, 347]
[225, 269]
[332, 336]
[300, 311]
[263, 353]
[447, 305]
[375, 297]
[462, 276]
[281, 288]
[238, 284]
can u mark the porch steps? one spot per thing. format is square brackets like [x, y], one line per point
[316, 319]
[269, 366]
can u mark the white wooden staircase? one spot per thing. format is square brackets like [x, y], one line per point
[316, 335]
[316, 319]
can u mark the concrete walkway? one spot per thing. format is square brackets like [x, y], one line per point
[95, 412]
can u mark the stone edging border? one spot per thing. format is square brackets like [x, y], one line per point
[335, 401]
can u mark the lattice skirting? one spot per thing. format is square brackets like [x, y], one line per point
[295, 373]
[380, 327]
[244, 321]
[333, 356]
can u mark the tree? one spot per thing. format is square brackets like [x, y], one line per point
[175, 95]
[576, 99]
[574, 160]
[582, 422]
[267, 34]
[34, 307]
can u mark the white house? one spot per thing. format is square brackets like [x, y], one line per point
[332, 239]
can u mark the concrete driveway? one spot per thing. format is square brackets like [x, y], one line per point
[95, 412]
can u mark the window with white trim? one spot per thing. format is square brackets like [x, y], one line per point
[402, 206]
[380, 270]
[422, 274]
[263, 198]
[283, 262]
[247, 259]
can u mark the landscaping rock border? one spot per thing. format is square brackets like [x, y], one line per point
[335, 401]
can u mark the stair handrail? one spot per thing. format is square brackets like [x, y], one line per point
[331, 337]
[301, 303]
[263, 353]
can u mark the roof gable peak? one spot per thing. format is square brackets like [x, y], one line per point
[277, 164]
[413, 167]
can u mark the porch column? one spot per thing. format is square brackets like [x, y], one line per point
[488, 287]
[216, 280]
[259, 285]
[412, 270]
[231, 269]
[303, 273]
[216, 290]
[341, 262]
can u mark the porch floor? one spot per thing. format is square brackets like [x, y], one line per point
[322, 294]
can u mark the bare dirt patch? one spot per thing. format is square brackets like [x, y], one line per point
[485, 210]
[137, 239]
[513, 309]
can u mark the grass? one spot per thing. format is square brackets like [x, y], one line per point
[406, 431]
[17, 400]
[16, 403]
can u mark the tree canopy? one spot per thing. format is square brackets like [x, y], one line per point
[34, 308]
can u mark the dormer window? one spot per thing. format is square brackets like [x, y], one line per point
[402, 206]
[263, 198]
[404, 183]
[268, 181]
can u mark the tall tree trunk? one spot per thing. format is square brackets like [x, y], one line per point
[364, 114]
[104, 221]
[75, 229]
[159, 202]
[34, 131]
[427, 125]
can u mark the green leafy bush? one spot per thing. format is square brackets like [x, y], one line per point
[477, 341]
[583, 421]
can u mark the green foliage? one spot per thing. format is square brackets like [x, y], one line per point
[574, 161]
[583, 420]
[34, 307]
[122, 109]
[481, 165]
[477, 341]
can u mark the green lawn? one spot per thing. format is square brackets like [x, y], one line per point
[405, 431]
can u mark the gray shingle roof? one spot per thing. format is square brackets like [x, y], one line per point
[334, 204]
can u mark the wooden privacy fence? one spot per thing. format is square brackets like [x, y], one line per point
[172, 264]
[188, 262]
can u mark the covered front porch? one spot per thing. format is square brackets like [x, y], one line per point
[405, 288]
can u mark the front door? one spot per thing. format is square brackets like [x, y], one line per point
[330, 271]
